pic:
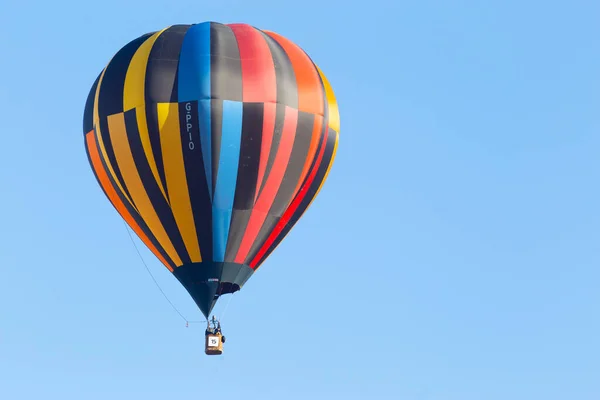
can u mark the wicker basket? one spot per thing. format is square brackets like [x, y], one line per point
[214, 344]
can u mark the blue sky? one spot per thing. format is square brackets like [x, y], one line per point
[453, 254]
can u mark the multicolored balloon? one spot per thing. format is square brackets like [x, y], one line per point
[211, 140]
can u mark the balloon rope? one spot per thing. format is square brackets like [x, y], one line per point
[226, 306]
[154, 279]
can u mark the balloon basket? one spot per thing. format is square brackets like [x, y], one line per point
[214, 344]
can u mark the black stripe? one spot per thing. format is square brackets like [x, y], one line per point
[320, 175]
[287, 88]
[134, 214]
[296, 163]
[162, 208]
[163, 62]
[252, 123]
[196, 177]
[324, 131]
[110, 100]
[88, 111]
[279, 119]
[154, 135]
[225, 64]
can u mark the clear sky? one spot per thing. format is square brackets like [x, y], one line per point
[453, 254]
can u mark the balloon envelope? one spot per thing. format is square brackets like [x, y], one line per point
[211, 141]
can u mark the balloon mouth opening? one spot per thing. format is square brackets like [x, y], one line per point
[227, 287]
[208, 280]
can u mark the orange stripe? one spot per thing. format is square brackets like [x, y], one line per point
[90, 139]
[310, 89]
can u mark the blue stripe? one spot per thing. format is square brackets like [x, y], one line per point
[231, 138]
[194, 85]
[204, 114]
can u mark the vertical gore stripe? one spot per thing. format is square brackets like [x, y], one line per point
[111, 193]
[268, 128]
[258, 71]
[287, 189]
[312, 149]
[275, 142]
[194, 64]
[249, 162]
[194, 85]
[116, 124]
[111, 164]
[335, 138]
[226, 69]
[170, 138]
[200, 198]
[227, 176]
[266, 198]
[310, 91]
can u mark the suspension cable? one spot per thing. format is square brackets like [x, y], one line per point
[155, 281]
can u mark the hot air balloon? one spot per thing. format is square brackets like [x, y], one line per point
[211, 140]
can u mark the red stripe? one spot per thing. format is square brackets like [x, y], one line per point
[285, 218]
[267, 139]
[267, 196]
[258, 70]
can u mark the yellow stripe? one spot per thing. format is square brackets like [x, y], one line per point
[135, 80]
[170, 140]
[101, 141]
[133, 96]
[118, 135]
[334, 112]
